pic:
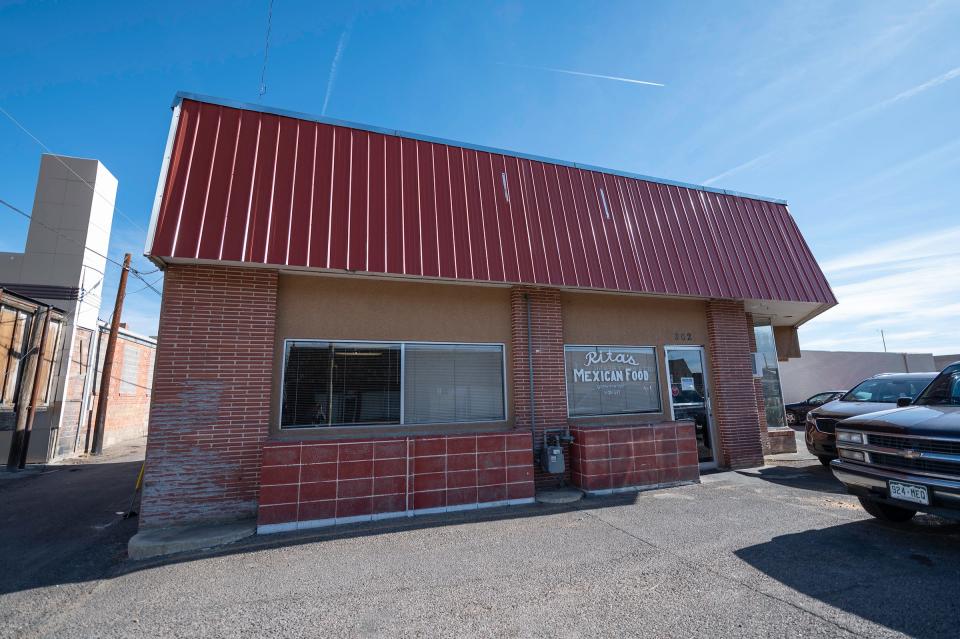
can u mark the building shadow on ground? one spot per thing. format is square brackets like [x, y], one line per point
[60, 524]
[903, 577]
[802, 475]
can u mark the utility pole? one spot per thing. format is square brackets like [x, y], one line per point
[20, 441]
[107, 372]
[882, 337]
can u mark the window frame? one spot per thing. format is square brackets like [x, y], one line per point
[135, 384]
[566, 385]
[403, 369]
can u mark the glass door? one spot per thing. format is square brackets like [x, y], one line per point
[689, 395]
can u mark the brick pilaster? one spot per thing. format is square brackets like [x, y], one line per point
[735, 407]
[211, 394]
[550, 399]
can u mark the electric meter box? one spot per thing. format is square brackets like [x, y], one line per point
[551, 459]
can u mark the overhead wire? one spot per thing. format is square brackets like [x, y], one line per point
[262, 89]
[93, 189]
[133, 271]
[69, 168]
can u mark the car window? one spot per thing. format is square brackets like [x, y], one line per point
[820, 398]
[944, 390]
[885, 390]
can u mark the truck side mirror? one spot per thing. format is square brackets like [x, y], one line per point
[903, 401]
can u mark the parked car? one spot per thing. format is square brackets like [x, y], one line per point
[879, 392]
[907, 459]
[797, 411]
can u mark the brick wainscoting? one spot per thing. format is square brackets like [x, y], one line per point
[211, 394]
[606, 459]
[310, 484]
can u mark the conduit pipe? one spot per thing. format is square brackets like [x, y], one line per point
[533, 410]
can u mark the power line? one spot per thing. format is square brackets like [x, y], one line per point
[266, 52]
[69, 168]
[149, 285]
[137, 274]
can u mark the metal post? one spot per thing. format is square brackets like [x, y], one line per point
[29, 369]
[88, 381]
[108, 360]
[35, 391]
[533, 409]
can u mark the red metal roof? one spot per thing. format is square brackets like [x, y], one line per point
[244, 185]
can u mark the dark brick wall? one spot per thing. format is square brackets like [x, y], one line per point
[735, 406]
[550, 398]
[211, 394]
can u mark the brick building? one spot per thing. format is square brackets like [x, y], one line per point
[63, 265]
[360, 323]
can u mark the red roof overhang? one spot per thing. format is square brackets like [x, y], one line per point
[243, 185]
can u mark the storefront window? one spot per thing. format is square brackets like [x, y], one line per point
[611, 380]
[352, 383]
[452, 383]
[770, 382]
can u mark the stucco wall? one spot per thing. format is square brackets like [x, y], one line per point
[593, 318]
[816, 371]
[310, 307]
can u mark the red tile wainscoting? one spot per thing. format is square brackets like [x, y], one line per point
[606, 459]
[309, 484]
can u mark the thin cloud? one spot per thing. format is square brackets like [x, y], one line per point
[904, 287]
[879, 106]
[331, 80]
[924, 245]
[587, 75]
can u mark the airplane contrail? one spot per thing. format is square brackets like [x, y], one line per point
[588, 75]
[341, 45]
[883, 104]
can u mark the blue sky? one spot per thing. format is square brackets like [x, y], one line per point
[849, 110]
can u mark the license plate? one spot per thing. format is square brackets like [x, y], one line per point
[909, 492]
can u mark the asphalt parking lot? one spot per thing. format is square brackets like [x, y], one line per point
[773, 552]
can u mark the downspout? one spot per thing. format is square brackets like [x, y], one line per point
[533, 410]
[93, 350]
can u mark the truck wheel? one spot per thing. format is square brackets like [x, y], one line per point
[886, 512]
[825, 461]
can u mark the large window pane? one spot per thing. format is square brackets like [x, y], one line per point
[48, 372]
[14, 328]
[453, 383]
[611, 380]
[328, 384]
[772, 395]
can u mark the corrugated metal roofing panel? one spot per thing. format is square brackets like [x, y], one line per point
[249, 186]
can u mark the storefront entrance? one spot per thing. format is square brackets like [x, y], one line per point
[689, 396]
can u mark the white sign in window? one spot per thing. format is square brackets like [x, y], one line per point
[611, 380]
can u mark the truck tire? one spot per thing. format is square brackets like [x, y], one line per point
[886, 512]
[825, 460]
